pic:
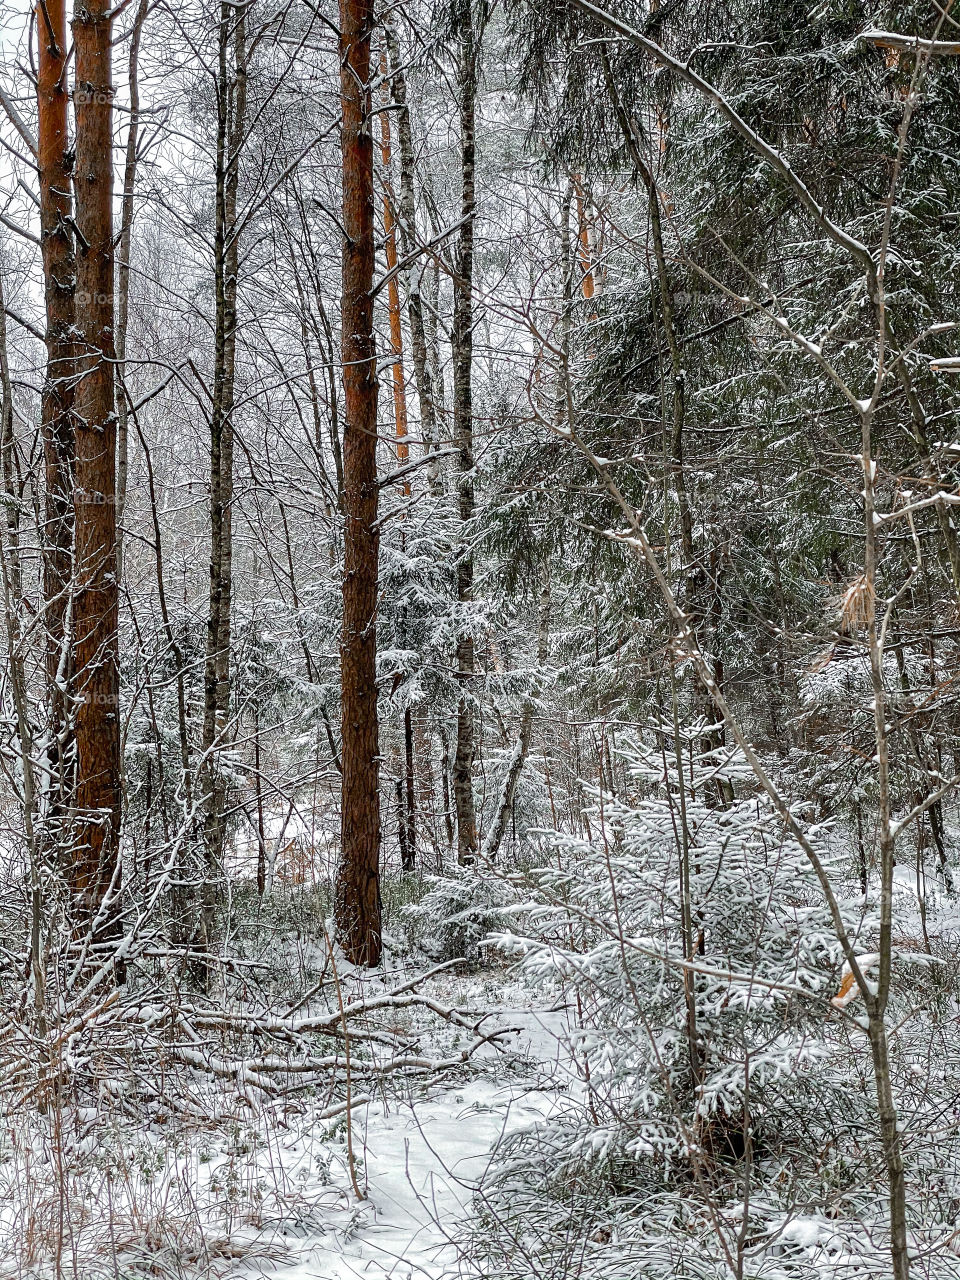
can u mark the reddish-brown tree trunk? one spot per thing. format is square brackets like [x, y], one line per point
[583, 240]
[358, 878]
[95, 575]
[59, 278]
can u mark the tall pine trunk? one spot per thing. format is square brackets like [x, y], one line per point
[56, 421]
[96, 659]
[462, 341]
[358, 875]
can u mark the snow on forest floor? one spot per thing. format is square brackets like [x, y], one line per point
[420, 1162]
[270, 1194]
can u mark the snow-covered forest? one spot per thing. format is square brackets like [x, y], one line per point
[480, 565]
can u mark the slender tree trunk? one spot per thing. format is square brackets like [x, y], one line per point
[261, 823]
[96, 658]
[462, 339]
[393, 292]
[411, 791]
[231, 122]
[585, 249]
[173, 643]
[13, 497]
[431, 322]
[692, 574]
[56, 420]
[11, 573]
[668, 313]
[877, 1000]
[358, 876]
[422, 374]
[407, 801]
[508, 790]
[318, 331]
[123, 268]
[892, 1146]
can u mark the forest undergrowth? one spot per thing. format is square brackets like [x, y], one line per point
[656, 1020]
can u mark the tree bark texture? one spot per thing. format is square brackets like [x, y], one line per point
[55, 162]
[462, 341]
[407, 825]
[231, 119]
[407, 224]
[358, 878]
[96, 659]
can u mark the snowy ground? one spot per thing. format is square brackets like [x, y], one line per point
[422, 1162]
[270, 1194]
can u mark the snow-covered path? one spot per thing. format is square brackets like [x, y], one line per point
[420, 1165]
